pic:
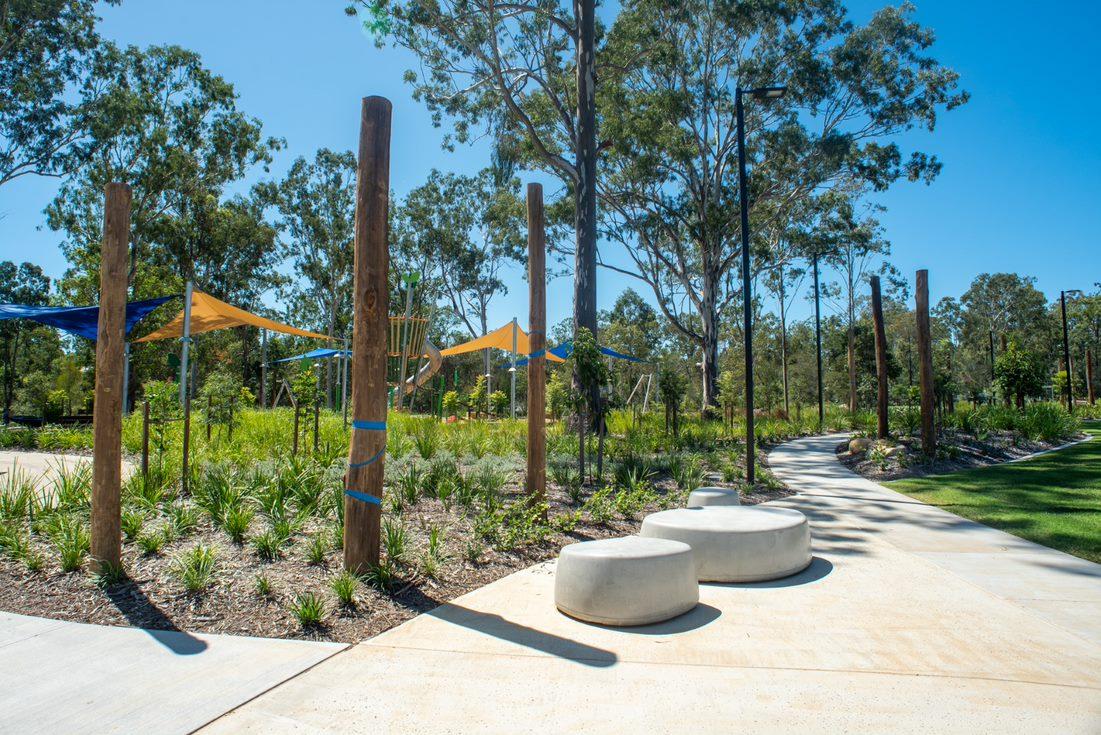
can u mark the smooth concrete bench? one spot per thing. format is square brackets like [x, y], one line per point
[626, 581]
[707, 496]
[744, 544]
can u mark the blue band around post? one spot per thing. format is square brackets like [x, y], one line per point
[369, 425]
[363, 497]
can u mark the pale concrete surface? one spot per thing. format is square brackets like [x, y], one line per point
[700, 497]
[626, 581]
[60, 677]
[44, 467]
[737, 544]
[907, 620]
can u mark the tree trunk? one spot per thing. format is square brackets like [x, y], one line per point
[852, 369]
[1089, 377]
[784, 346]
[925, 364]
[585, 224]
[710, 346]
[880, 359]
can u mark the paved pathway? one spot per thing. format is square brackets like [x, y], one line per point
[43, 467]
[59, 677]
[909, 620]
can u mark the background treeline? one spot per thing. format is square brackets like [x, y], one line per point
[77, 107]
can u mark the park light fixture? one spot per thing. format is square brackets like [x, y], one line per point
[1066, 345]
[764, 94]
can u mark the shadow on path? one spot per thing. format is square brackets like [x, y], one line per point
[494, 625]
[142, 613]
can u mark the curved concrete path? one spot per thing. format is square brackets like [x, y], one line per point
[42, 468]
[909, 620]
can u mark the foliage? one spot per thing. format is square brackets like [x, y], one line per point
[196, 568]
[1019, 373]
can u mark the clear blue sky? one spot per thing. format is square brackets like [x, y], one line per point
[1020, 190]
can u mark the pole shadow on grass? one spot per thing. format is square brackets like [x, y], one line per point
[494, 625]
[141, 612]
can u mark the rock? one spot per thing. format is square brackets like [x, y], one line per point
[859, 444]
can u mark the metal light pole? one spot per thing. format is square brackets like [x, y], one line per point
[761, 93]
[1066, 348]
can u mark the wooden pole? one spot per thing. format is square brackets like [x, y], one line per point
[1091, 395]
[370, 340]
[512, 370]
[294, 450]
[106, 541]
[925, 364]
[145, 442]
[185, 393]
[880, 357]
[537, 361]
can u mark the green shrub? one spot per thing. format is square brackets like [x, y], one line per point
[308, 608]
[195, 568]
[344, 586]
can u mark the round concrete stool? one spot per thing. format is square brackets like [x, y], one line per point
[626, 581]
[706, 496]
[745, 544]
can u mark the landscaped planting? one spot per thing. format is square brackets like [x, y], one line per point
[255, 546]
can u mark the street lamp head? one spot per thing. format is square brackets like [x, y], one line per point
[768, 93]
[1073, 292]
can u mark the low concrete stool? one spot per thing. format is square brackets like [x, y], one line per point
[704, 496]
[746, 544]
[626, 581]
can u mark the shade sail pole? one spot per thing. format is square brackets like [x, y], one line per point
[344, 383]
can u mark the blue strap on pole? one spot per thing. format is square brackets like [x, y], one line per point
[366, 426]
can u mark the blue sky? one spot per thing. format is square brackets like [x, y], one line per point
[1020, 190]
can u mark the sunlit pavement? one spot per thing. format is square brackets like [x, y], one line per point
[909, 620]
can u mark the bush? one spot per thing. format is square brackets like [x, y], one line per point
[195, 568]
[308, 608]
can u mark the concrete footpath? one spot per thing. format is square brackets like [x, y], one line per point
[43, 468]
[60, 677]
[909, 620]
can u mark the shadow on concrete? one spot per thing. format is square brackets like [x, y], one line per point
[494, 625]
[141, 612]
[819, 569]
[698, 617]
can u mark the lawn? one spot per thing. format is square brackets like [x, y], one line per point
[1054, 500]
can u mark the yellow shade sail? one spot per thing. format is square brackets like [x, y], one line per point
[209, 314]
[499, 339]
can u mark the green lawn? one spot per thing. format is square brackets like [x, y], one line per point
[1054, 500]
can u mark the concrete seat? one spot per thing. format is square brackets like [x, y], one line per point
[626, 581]
[706, 496]
[744, 544]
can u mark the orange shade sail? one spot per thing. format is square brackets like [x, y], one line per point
[499, 339]
[209, 314]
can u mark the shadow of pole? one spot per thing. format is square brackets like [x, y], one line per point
[494, 625]
[142, 613]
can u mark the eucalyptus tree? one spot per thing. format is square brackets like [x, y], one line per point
[671, 183]
[523, 70]
[171, 129]
[1007, 306]
[316, 206]
[47, 82]
[468, 229]
[19, 284]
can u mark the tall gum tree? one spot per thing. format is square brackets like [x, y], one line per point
[670, 182]
[525, 72]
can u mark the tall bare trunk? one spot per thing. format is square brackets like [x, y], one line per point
[584, 289]
[710, 344]
[784, 345]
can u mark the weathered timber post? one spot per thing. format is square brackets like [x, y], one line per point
[880, 357]
[209, 406]
[145, 442]
[925, 364]
[1090, 394]
[370, 340]
[294, 451]
[537, 360]
[106, 541]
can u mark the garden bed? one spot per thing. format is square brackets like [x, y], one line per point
[451, 525]
[970, 438]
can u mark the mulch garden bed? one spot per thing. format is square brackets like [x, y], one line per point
[955, 451]
[153, 596]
